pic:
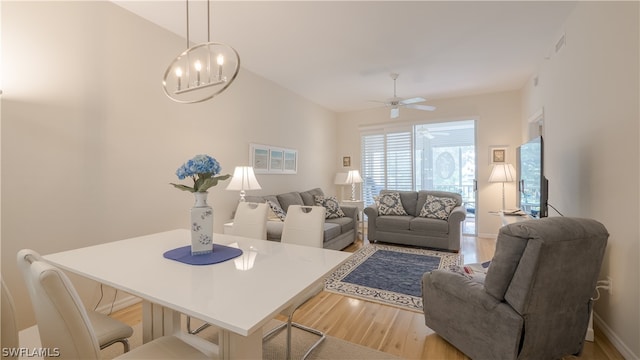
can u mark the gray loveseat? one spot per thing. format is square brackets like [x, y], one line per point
[412, 229]
[338, 233]
[535, 300]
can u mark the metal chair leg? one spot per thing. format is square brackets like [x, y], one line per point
[193, 332]
[125, 344]
[289, 325]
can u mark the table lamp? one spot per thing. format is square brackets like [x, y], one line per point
[243, 179]
[502, 173]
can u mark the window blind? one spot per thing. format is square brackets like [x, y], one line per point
[387, 162]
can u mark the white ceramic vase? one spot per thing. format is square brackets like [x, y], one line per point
[201, 225]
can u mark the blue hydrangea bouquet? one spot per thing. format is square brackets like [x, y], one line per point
[204, 170]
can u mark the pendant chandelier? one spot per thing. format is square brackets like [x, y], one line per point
[202, 71]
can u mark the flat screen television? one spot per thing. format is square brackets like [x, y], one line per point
[533, 186]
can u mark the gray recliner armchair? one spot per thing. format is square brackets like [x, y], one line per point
[535, 300]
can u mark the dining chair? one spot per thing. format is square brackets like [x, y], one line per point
[108, 330]
[304, 225]
[249, 221]
[9, 329]
[64, 324]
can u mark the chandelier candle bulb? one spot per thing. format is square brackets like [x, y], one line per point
[179, 76]
[220, 61]
[198, 67]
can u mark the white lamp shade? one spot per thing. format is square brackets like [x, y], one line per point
[243, 179]
[353, 177]
[502, 173]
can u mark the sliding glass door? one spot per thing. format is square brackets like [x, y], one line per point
[434, 156]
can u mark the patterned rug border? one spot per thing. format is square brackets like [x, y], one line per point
[335, 284]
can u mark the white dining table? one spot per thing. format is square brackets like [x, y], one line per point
[239, 296]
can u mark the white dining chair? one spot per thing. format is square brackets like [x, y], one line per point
[63, 322]
[9, 329]
[304, 225]
[251, 220]
[108, 330]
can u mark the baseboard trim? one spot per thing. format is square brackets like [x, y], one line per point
[615, 340]
[118, 304]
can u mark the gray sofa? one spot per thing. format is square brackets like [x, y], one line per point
[414, 230]
[338, 233]
[534, 301]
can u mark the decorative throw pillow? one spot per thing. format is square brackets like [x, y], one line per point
[437, 207]
[390, 204]
[277, 210]
[331, 205]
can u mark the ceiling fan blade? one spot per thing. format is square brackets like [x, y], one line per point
[395, 112]
[421, 107]
[412, 100]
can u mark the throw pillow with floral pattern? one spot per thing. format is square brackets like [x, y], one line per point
[331, 205]
[437, 207]
[390, 204]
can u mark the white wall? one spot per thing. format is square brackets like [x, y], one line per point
[590, 95]
[90, 142]
[498, 123]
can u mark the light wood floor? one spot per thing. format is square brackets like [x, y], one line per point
[390, 329]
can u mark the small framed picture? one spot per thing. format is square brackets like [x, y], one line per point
[346, 161]
[497, 154]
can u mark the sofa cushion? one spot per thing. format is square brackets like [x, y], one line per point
[408, 198]
[331, 205]
[390, 204]
[395, 222]
[308, 197]
[291, 198]
[437, 207]
[345, 223]
[429, 225]
[331, 230]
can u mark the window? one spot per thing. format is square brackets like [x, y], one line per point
[433, 156]
[387, 162]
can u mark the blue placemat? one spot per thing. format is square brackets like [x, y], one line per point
[220, 253]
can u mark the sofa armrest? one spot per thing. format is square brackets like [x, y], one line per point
[372, 215]
[456, 217]
[350, 211]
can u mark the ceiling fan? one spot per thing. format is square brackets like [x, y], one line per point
[396, 102]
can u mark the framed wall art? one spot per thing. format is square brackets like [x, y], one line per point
[346, 161]
[497, 154]
[267, 159]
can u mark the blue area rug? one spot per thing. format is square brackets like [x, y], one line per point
[388, 274]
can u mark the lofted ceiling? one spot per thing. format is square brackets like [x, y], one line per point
[339, 54]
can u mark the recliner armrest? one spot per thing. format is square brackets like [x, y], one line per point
[459, 286]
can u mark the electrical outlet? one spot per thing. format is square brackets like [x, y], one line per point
[610, 285]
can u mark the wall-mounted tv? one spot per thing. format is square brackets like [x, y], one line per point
[533, 186]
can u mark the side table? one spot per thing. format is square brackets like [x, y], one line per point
[360, 205]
